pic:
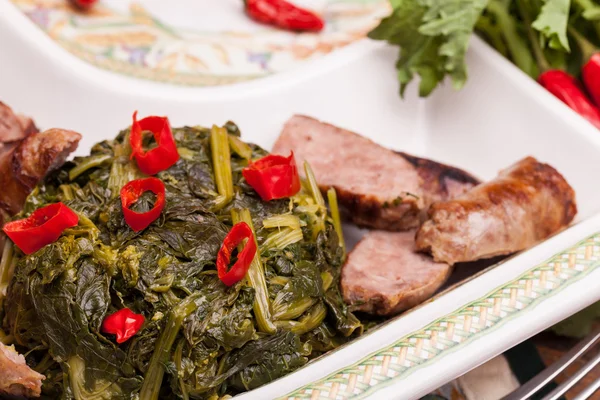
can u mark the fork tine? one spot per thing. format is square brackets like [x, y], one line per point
[544, 377]
[589, 391]
[569, 383]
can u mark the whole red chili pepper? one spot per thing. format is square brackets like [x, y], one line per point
[590, 72]
[161, 157]
[124, 324]
[42, 227]
[132, 191]
[283, 14]
[591, 77]
[84, 4]
[236, 273]
[567, 89]
[273, 176]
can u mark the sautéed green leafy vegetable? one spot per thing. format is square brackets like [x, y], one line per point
[201, 339]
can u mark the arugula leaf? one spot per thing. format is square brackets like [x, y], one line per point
[418, 53]
[433, 36]
[454, 20]
[592, 14]
[589, 9]
[552, 23]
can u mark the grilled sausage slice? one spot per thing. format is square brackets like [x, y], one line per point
[384, 275]
[16, 378]
[10, 125]
[13, 126]
[377, 188]
[525, 204]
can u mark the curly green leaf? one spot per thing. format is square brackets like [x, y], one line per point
[552, 23]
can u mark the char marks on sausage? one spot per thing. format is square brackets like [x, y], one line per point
[440, 182]
[525, 204]
[384, 275]
[28, 162]
[377, 187]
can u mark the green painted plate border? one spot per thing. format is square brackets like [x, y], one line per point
[450, 333]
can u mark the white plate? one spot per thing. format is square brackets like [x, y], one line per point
[196, 42]
[499, 117]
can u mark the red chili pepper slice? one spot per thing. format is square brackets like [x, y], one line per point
[124, 324]
[42, 227]
[591, 77]
[273, 176]
[283, 14]
[131, 192]
[236, 235]
[163, 156]
[567, 89]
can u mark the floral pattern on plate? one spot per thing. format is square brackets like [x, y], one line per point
[162, 44]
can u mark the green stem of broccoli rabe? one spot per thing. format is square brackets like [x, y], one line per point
[123, 169]
[162, 350]
[7, 267]
[88, 163]
[283, 309]
[256, 279]
[308, 322]
[221, 156]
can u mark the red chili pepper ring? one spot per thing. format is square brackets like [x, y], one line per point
[273, 177]
[44, 226]
[161, 157]
[131, 192]
[236, 235]
[124, 324]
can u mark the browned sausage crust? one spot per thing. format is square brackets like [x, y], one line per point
[28, 161]
[525, 204]
[14, 127]
[377, 187]
[441, 182]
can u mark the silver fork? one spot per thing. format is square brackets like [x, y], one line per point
[543, 378]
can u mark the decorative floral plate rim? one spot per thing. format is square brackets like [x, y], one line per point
[448, 334]
[140, 45]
